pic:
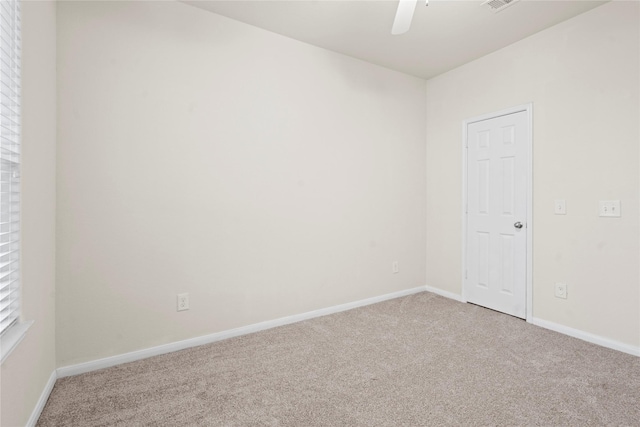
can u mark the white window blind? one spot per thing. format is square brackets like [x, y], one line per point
[9, 163]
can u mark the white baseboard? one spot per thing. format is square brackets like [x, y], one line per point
[207, 339]
[575, 333]
[33, 419]
[586, 336]
[445, 294]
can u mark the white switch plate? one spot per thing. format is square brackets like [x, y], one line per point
[610, 208]
[561, 290]
[394, 267]
[560, 207]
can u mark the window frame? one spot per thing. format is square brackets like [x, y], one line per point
[15, 328]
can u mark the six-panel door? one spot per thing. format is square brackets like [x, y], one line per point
[496, 213]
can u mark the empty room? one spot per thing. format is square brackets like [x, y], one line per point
[320, 213]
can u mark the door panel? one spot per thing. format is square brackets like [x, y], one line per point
[496, 252]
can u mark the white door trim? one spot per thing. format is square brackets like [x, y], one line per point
[528, 108]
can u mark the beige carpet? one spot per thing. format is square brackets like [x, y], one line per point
[414, 361]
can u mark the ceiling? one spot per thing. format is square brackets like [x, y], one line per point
[444, 35]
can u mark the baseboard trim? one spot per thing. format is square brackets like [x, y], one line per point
[445, 294]
[575, 333]
[33, 419]
[107, 362]
[586, 336]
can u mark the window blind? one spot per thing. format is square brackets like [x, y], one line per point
[10, 132]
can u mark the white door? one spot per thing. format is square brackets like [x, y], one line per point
[496, 234]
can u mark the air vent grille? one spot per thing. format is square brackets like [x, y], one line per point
[498, 5]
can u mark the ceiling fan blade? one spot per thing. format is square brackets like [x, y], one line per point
[404, 15]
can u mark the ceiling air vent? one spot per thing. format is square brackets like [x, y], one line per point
[498, 5]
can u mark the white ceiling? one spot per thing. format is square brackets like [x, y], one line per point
[444, 35]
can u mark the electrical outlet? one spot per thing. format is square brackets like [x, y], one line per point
[561, 290]
[183, 302]
[560, 207]
[394, 267]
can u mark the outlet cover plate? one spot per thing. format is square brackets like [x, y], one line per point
[183, 302]
[561, 290]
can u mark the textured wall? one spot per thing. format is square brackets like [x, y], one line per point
[582, 77]
[263, 176]
[26, 371]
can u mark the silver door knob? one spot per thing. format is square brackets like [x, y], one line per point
[518, 224]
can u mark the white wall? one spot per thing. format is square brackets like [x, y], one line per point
[583, 78]
[264, 176]
[28, 368]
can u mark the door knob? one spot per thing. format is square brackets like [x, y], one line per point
[518, 224]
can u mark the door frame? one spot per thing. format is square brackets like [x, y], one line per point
[528, 108]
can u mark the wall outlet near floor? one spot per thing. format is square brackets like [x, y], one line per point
[394, 267]
[561, 290]
[183, 302]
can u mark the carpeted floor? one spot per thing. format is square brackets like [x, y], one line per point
[413, 361]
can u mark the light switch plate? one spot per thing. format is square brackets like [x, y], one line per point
[610, 208]
[560, 207]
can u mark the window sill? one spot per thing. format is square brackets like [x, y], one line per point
[12, 337]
